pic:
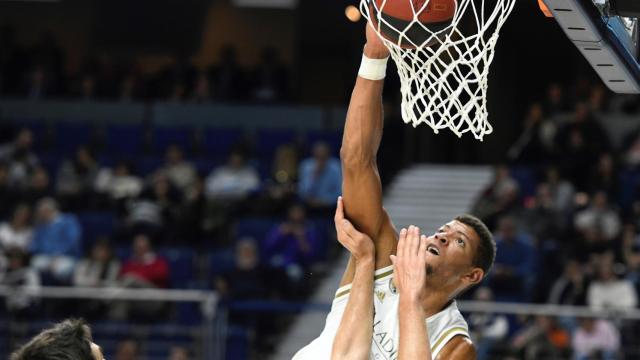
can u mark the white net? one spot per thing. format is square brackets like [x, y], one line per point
[444, 66]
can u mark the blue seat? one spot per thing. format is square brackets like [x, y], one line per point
[181, 265]
[268, 140]
[39, 129]
[217, 143]
[125, 139]
[526, 179]
[204, 166]
[332, 138]
[256, 228]
[94, 225]
[220, 262]
[237, 343]
[71, 135]
[163, 137]
[148, 164]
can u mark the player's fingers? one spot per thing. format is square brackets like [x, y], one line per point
[393, 259]
[339, 211]
[414, 241]
[422, 250]
[401, 241]
[350, 229]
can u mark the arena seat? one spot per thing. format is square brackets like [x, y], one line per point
[256, 228]
[182, 261]
[163, 137]
[332, 138]
[125, 139]
[268, 140]
[71, 135]
[146, 165]
[217, 143]
[220, 262]
[94, 225]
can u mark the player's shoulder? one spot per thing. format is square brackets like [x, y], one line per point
[459, 347]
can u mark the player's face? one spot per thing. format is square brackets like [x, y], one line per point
[450, 252]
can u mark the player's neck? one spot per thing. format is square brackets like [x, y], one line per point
[435, 301]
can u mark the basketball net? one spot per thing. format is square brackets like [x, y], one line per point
[444, 79]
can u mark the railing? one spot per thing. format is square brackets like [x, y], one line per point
[212, 328]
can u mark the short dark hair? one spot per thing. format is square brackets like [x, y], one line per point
[68, 340]
[486, 251]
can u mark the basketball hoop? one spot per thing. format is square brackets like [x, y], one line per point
[444, 77]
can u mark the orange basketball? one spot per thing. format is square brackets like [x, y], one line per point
[398, 16]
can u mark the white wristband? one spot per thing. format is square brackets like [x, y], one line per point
[373, 69]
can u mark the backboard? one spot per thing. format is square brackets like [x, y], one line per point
[608, 41]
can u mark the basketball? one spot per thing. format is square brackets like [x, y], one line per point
[398, 17]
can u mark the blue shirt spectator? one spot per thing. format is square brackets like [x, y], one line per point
[513, 274]
[320, 177]
[56, 241]
[293, 242]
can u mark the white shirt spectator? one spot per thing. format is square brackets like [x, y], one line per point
[227, 182]
[10, 237]
[612, 294]
[118, 186]
[90, 273]
[603, 336]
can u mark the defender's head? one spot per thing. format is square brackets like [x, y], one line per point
[460, 253]
[68, 340]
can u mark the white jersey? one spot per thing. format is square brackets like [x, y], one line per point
[441, 327]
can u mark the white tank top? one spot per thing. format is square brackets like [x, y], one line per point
[442, 326]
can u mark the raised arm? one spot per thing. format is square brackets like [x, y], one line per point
[353, 338]
[361, 187]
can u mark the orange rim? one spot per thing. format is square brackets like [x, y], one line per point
[545, 10]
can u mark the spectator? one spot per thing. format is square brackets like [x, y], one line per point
[39, 84]
[541, 218]
[76, 177]
[180, 172]
[201, 93]
[632, 149]
[18, 273]
[487, 329]
[18, 232]
[560, 190]
[599, 222]
[532, 146]
[320, 178]
[56, 241]
[8, 196]
[541, 339]
[145, 269]
[192, 222]
[571, 287]
[513, 274]
[596, 338]
[178, 353]
[20, 158]
[555, 103]
[100, 269]
[39, 186]
[605, 177]
[270, 78]
[233, 181]
[280, 187]
[292, 245]
[247, 280]
[497, 199]
[631, 252]
[119, 183]
[228, 77]
[127, 350]
[607, 291]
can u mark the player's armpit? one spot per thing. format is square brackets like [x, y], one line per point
[458, 348]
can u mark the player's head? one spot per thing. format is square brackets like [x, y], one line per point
[461, 253]
[68, 340]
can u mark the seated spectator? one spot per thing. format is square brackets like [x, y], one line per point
[118, 183]
[607, 291]
[229, 79]
[20, 158]
[532, 147]
[541, 219]
[292, 245]
[8, 196]
[18, 232]
[605, 177]
[178, 353]
[599, 224]
[571, 287]
[280, 187]
[100, 269]
[596, 339]
[246, 281]
[555, 103]
[127, 350]
[497, 199]
[487, 329]
[201, 93]
[233, 181]
[18, 273]
[631, 253]
[270, 78]
[560, 190]
[76, 177]
[320, 178]
[180, 172]
[631, 149]
[155, 212]
[542, 338]
[145, 268]
[56, 241]
[513, 275]
[38, 187]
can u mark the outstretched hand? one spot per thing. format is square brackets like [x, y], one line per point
[359, 244]
[410, 263]
[374, 48]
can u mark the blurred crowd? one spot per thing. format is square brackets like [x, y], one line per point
[174, 206]
[565, 210]
[42, 71]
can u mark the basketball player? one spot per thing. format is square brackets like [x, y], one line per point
[406, 308]
[68, 340]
